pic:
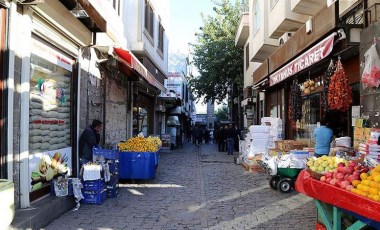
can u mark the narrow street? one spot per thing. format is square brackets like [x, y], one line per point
[192, 191]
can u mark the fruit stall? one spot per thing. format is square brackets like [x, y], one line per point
[346, 191]
[138, 157]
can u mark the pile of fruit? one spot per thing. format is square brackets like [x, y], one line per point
[369, 186]
[138, 144]
[308, 87]
[346, 175]
[155, 140]
[324, 163]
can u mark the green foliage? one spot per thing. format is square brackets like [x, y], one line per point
[218, 60]
[222, 113]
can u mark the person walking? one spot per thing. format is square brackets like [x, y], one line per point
[88, 139]
[230, 135]
[198, 136]
[221, 139]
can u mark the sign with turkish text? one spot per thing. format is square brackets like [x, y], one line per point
[173, 85]
[309, 58]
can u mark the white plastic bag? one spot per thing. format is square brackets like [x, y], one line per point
[371, 72]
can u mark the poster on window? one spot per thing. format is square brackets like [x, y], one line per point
[49, 114]
[43, 167]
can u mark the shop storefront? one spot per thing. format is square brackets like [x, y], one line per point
[143, 114]
[306, 81]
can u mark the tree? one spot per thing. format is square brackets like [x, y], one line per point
[218, 60]
[222, 113]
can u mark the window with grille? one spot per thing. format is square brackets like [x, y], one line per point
[149, 18]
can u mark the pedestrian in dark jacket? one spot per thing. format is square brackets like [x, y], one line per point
[88, 139]
[221, 139]
[231, 136]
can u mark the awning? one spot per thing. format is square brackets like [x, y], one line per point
[305, 60]
[128, 59]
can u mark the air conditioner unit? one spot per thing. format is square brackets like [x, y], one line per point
[284, 38]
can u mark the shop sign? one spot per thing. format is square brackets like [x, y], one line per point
[173, 84]
[307, 59]
[42, 50]
[45, 166]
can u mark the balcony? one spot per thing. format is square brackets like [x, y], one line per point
[243, 30]
[283, 19]
[308, 7]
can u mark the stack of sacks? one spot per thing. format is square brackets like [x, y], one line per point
[275, 131]
[260, 137]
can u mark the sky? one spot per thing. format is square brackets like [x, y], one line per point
[184, 21]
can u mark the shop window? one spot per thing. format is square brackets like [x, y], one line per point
[140, 121]
[49, 114]
[149, 19]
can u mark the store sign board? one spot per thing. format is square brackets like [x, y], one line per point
[45, 166]
[307, 59]
[173, 85]
[42, 50]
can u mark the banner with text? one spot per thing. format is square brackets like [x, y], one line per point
[309, 58]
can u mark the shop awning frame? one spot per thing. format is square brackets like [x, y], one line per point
[128, 59]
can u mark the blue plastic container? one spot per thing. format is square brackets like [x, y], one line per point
[108, 154]
[94, 185]
[137, 165]
[96, 198]
[157, 157]
[113, 166]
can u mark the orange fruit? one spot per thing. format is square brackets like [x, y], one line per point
[370, 196]
[366, 182]
[370, 178]
[365, 188]
[373, 191]
[377, 178]
[376, 197]
[355, 183]
[360, 187]
[363, 176]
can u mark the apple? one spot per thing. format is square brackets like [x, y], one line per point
[357, 167]
[337, 183]
[340, 176]
[328, 180]
[341, 169]
[333, 181]
[341, 164]
[335, 174]
[323, 178]
[328, 175]
[349, 187]
[350, 170]
[346, 177]
[351, 178]
[352, 163]
[344, 184]
[356, 173]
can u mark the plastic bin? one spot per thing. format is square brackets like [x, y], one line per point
[96, 198]
[94, 185]
[137, 165]
[113, 166]
[157, 157]
[108, 154]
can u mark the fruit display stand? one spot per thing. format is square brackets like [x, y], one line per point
[333, 202]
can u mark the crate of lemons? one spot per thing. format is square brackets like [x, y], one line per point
[140, 144]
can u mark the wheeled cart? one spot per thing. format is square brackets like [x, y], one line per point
[285, 179]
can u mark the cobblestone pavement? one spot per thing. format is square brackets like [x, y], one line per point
[196, 191]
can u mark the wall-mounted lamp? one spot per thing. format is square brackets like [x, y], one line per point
[79, 12]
